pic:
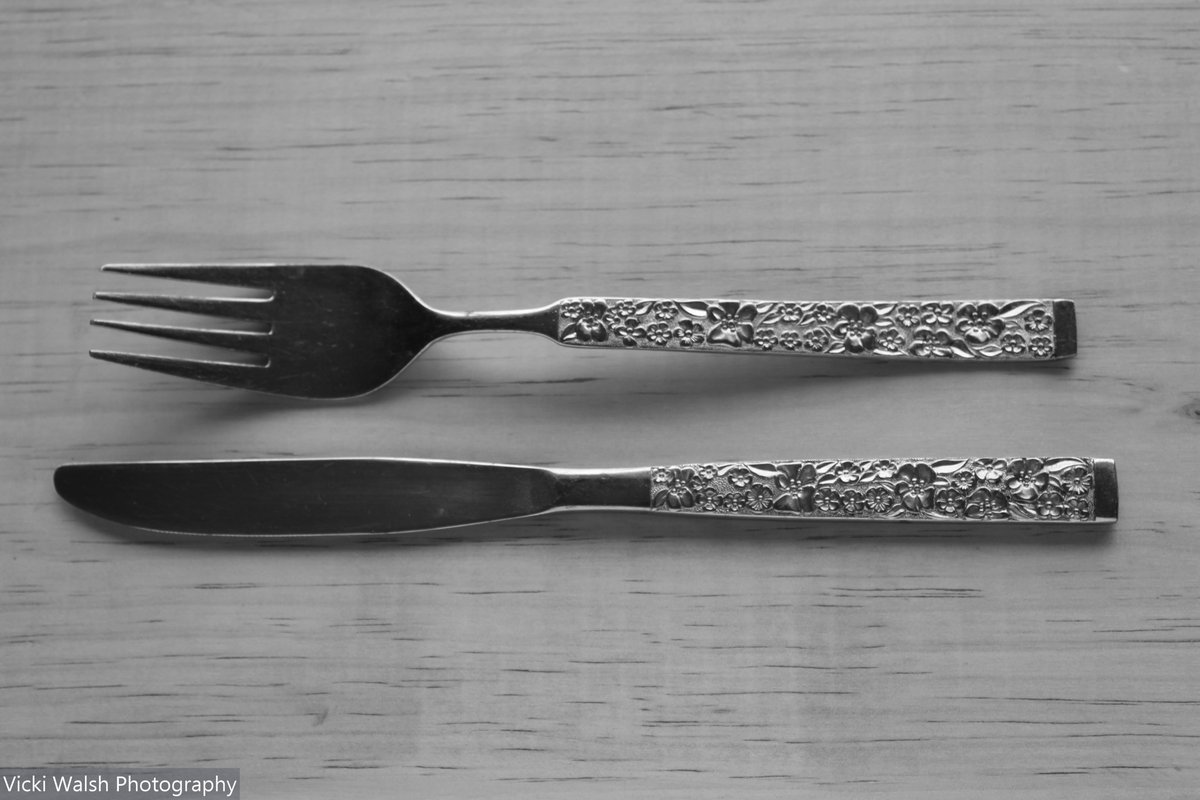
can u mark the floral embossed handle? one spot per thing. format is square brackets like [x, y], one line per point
[1011, 330]
[954, 490]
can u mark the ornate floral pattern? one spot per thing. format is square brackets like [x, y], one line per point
[997, 329]
[1032, 489]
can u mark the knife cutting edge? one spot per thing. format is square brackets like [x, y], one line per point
[305, 497]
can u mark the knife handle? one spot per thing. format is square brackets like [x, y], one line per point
[955, 490]
[972, 330]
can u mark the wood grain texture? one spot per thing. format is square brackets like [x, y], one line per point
[503, 156]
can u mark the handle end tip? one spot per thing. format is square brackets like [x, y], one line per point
[1106, 490]
[1066, 339]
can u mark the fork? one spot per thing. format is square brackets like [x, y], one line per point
[339, 331]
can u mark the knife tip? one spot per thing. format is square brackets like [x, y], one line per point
[66, 482]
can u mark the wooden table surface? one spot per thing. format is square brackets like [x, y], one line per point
[503, 156]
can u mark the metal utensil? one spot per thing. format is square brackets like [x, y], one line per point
[297, 497]
[343, 331]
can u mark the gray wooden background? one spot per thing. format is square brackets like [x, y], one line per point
[505, 155]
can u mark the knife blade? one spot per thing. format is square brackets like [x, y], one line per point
[303, 497]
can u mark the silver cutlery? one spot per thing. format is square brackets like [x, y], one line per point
[336, 331]
[298, 497]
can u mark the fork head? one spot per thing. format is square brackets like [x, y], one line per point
[326, 331]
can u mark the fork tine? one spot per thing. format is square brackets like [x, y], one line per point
[257, 276]
[220, 372]
[233, 307]
[252, 341]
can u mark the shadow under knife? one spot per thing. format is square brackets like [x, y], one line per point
[632, 528]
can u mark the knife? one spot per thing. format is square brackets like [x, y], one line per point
[304, 497]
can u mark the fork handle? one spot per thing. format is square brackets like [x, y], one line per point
[987, 330]
[1063, 489]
